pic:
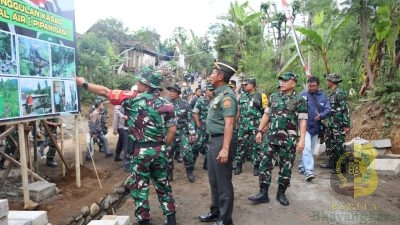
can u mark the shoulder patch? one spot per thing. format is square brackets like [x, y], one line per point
[227, 101]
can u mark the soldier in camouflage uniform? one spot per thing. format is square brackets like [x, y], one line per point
[185, 135]
[200, 112]
[285, 113]
[338, 122]
[251, 109]
[9, 148]
[52, 123]
[152, 126]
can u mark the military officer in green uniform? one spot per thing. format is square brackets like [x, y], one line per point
[220, 128]
[338, 122]
[52, 123]
[286, 114]
[251, 109]
[200, 112]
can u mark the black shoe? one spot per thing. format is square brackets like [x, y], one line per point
[281, 197]
[209, 217]
[328, 164]
[118, 158]
[220, 222]
[109, 155]
[335, 171]
[190, 176]
[88, 158]
[2, 166]
[256, 171]
[51, 164]
[171, 220]
[145, 222]
[238, 170]
[205, 164]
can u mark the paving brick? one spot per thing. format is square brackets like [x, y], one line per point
[3, 208]
[123, 220]
[35, 217]
[41, 190]
[103, 222]
[4, 220]
[387, 166]
[19, 222]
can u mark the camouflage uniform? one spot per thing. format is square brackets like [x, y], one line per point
[284, 113]
[251, 111]
[149, 117]
[52, 148]
[185, 128]
[9, 148]
[338, 119]
[201, 108]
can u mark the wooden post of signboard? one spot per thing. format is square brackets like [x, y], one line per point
[62, 146]
[77, 153]
[28, 204]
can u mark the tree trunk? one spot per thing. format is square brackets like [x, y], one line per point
[309, 57]
[369, 82]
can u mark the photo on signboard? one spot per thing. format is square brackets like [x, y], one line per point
[8, 61]
[35, 96]
[34, 57]
[71, 96]
[59, 95]
[63, 61]
[9, 98]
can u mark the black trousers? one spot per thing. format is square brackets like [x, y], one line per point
[120, 143]
[220, 179]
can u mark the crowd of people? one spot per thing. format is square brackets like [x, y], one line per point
[229, 126]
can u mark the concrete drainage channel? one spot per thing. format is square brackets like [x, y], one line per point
[100, 213]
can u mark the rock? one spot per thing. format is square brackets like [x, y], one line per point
[12, 194]
[114, 198]
[106, 203]
[120, 190]
[80, 222]
[85, 211]
[78, 217]
[94, 209]
[88, 219]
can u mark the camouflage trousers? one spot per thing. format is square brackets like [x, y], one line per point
[200, 146]
[334, 142]
[149, 164]
[181, 144]
[9, 148]
[287, 155]
[52, 148]
[247, 144]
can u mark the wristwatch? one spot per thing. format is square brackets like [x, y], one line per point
[85, 85]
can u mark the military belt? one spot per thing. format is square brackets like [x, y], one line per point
[215, 135]
[147, 144]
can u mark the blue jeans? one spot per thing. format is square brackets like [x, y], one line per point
[307, 161]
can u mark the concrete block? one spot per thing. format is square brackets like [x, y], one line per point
[109, 217]
[3, 208]
[35, 217]
[41, 190]
[382, 143]
[19, 222]
[123, 220]
[103, 222]
[4, 220]
[387, 166]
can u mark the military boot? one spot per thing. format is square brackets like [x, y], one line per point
[262, 196]
[328, 164]
[205, 163]
[170, 174]
[145, 222]
[190, 176]
[342, 169]
[256, 171]
[171, 220]
[238, 169]
[280, 196]
[2, 164]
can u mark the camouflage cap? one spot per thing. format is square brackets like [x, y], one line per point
[150, 77]
[176, 87]
[225, 66]
[288, 76]
[250, 81]
[334, 78]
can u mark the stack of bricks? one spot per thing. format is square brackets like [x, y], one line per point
[21, 217]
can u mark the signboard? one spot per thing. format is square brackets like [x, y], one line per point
[37, 58]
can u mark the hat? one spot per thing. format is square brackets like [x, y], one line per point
[150, 77]
[334, 78]
[225, 66]
[288, 76]
[250, 81]
[232, 83]
[175, 87]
